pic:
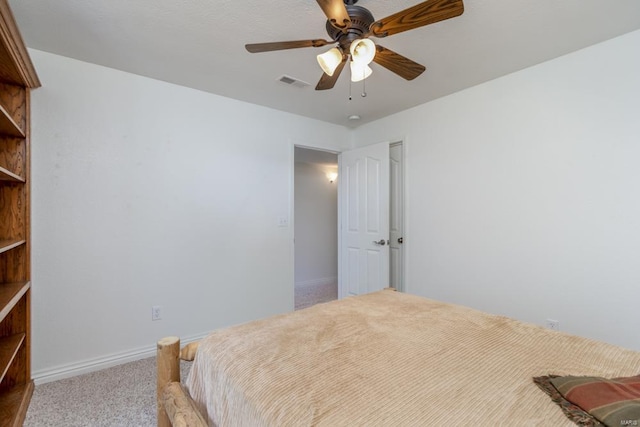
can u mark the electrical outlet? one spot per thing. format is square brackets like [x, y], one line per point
[283, 221]
[554, 325]
[156, 312]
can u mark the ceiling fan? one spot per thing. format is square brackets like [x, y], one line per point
[350, 27]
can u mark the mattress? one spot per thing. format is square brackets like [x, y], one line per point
[389, 358]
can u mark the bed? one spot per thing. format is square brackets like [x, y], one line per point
[385, 358]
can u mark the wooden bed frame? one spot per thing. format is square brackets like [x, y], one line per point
[175, 406]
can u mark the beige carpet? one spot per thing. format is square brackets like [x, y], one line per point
[121, 396]
[308, 295]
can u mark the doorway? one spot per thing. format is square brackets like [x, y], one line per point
[315, 227]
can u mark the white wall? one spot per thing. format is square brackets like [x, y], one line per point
[523, 194]
[146, 193]
[522, 199]
[316, 225]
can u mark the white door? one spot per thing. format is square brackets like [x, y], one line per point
[364, 220]
[396, 217]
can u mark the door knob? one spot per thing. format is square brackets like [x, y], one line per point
[400, 240]
[380, 242]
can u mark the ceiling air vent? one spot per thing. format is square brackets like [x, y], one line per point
[292, 81]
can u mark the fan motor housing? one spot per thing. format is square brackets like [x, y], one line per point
[361, 20]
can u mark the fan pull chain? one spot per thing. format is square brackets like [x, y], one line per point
[350, 98]
[364, 87]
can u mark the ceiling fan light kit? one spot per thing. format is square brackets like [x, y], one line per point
[359, 71]
[362, 50]
[350, 26]
[330, 60]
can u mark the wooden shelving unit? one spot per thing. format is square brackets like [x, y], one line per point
[8, 126]
[10, 295]
[17, 78]
[7, 245]
[9, 347]
[7, 175]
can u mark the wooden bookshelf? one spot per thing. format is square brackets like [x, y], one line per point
[15, 403]
[7, 245]
[10, 295]
[6, 175]
[17, 78]
[9, 346]
[8, 126]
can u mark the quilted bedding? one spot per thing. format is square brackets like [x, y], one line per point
[389, 358]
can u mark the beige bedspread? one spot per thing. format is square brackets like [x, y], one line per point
[393, 359]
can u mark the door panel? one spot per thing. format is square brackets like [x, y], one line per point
[352, 197]
[353, 278]
[373, 197]
[364, 195]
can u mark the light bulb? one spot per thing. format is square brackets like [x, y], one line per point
[330, 60]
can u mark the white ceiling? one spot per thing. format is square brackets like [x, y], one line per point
[200, 44]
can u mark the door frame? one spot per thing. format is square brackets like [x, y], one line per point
[403, 286]
[405, 223]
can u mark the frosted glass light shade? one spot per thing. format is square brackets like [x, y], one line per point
[359, 71]
[330, 60]
[363, 50]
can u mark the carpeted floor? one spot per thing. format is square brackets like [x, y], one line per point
[121, 396]
[308, 295]
[124, 395]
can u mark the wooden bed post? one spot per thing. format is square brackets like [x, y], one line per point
[168, 369]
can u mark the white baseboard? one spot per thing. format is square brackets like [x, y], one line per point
[318, 282]
[92, 365]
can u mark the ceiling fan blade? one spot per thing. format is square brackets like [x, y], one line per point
[268, 47]
[419, 15]
[404, 67]
[336, 13]
[327, 81]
